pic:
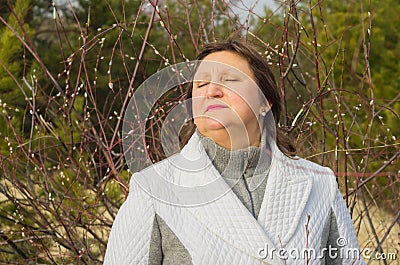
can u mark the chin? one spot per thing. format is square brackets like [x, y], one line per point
[207, 124]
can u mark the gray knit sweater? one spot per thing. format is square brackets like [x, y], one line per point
[238, 168]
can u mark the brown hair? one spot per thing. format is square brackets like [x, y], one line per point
[264, 78]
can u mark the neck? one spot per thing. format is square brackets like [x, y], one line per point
[234, 139]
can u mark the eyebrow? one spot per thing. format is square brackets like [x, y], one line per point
[202, 75]
[228, 71]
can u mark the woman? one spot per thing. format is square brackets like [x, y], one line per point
[244, 198]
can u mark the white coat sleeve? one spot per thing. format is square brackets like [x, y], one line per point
[349, 249]
[129, 240]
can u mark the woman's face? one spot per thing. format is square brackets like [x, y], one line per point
[226, 99]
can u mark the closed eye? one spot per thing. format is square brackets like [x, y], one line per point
[230, 78]
[202, 84]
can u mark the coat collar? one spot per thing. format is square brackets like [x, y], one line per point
[286, 194]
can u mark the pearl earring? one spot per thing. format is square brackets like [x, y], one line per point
[263, 111]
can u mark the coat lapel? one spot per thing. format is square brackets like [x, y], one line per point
[286, 194]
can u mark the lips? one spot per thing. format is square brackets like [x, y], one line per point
[215, 107]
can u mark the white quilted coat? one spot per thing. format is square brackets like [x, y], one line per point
[216, 228]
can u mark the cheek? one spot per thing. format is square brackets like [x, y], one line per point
[194, 92]
[244, 112]
[195, 109]
[196, 103]
[246, 106]
[197, 95]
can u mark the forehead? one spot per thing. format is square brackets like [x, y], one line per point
[224, 62]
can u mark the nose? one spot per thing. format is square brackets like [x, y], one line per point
[214, 90]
